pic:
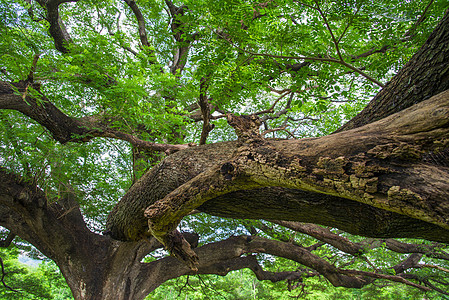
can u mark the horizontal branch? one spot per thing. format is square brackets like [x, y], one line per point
[324, 235]
[310, 58]
[222, 257]
[384, 276]
[345, 245]
[16, 96]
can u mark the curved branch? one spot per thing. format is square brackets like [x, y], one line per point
[428, 250]
[63, 128]
[345, 245]
[324, 235]
[140, 21]
[384, 276]
[427, 282]
[3, 277]
[221, 257]
[57, 29]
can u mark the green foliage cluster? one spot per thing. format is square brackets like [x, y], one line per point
[39, 282]
[108, 74]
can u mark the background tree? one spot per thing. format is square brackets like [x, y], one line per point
[93, 94]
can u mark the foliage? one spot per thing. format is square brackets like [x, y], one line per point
[253, 55]
[42, 282]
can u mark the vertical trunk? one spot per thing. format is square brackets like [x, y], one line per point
[107, 271]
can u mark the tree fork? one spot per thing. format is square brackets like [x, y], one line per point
[339, 165]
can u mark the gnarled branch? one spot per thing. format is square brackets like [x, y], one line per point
[64, 128]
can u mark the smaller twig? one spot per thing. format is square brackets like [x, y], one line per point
[30, 77]
[347, 264]
[330, 30]
[283, 128]
[370, 263]
[271, 109]
[203, 285]
[185, 284]
[349, 24]
[3, 278]
[433, 267]
[304, 4]
[419, 21]
[322, 59]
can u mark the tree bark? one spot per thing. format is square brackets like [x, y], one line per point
[386, 179]
[98, 267]
[390, 174]
[384, 173]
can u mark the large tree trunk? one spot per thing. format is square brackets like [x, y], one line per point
[385, 179]
[98, 267]
[395, 170]
[387, 176]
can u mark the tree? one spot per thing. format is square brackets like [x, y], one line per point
[87, 109]
[39, 282]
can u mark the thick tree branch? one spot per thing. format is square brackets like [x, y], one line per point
[140, 21]
[367, 165]
[428, 250]
[205, 111]
[252, 168]
[182, 38]
[384, 276]
[345, 245]
[218, 258]
[324, 235]
[57, 29]
[410, 262]
[63, 128]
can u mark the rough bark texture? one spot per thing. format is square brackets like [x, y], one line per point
[98, 267]
[384, 179]
[384, 166]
